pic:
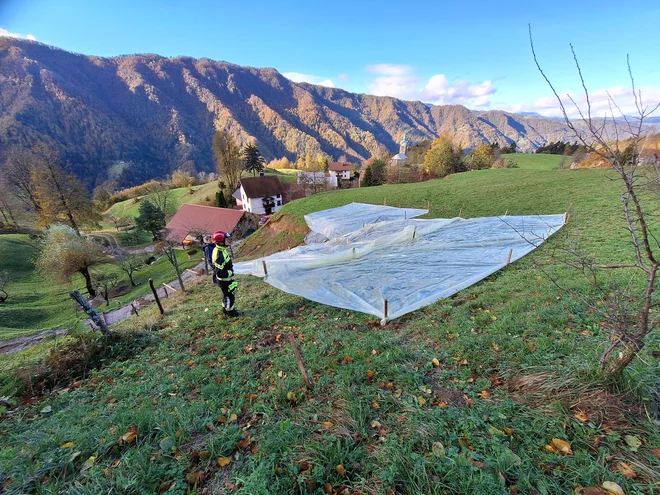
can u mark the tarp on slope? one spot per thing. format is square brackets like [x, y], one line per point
[336, 222]
[408, 262]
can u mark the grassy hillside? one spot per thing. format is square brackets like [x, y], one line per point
[35, 303]
[201, 195]
[460, 397]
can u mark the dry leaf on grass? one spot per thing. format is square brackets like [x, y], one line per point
[224, 461]
[612, 488]
[559, 446]
[341, 470]
[633, 442]
[128, 437]
[327, 425]
[67, 445]
[581, 417]
[435, 362]
[625, 469]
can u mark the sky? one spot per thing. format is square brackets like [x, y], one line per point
[474, 53]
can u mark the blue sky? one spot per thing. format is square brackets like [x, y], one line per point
[472, 53]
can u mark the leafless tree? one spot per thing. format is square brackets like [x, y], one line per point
[17, 175]
[130, 263]
[628, 310]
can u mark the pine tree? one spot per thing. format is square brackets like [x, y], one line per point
[252, 159]
[151, 219]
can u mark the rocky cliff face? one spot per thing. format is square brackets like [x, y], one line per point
[156, 114]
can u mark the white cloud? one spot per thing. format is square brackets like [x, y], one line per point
[400, 81]
[390, 69]
[309, 78]
[599, 99]
[4, 32]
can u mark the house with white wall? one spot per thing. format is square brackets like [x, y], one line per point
[316, 179]
[260, 195]
[341, 170]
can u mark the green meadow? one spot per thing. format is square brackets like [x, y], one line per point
[495, 390]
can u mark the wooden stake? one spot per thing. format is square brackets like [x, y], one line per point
[263, 262]
[428, 205]
[460, 213]
[353, 253]
[84, 304]
[568, 216]
[506, 213]
[169, 287]
[508, 261]
[299, 359]
[385, 304]
[155, 293]
[405, 214]
[414, 232]
[192, 271]
[135, 310]
[384, 201]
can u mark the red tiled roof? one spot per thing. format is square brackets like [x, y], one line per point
[259, 187]
[340, 167]
[198, 219]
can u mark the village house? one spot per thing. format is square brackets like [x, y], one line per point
[260, 195]
[340, 170]
[192, 222]
[317, 179]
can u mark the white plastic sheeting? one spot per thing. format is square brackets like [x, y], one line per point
[410, 263]
[336, 222]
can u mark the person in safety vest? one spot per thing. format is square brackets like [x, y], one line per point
[224, 273]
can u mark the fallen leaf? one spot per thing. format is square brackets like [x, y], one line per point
[47, 410]
[591, 490]
[128, 437]
[465, 443]
[224, 461]
[291, 397]
[435, 362]
[67, 445]
[327, 488]
[88, 464]
[195, 478]
[581, 417]
[327, 424]
[74, 456]
[341, 470]
[464, 362]
[233, 417]
[484, 394]
[421, 401]
[370, 374]
[612, 488]
[507, 430]
[656, 452]
[438, 449]
[375, 405]
[633, 442]
[562, 447]
[281, 374]
[496, 431]
[626, 470]
[479, 464]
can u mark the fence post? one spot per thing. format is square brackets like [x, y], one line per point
[155, 292]
[82, 302]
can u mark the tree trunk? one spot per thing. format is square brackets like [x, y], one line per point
[130, 277]
[613, 363]
[88, 282]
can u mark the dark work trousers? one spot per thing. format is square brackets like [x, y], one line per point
[229, 288]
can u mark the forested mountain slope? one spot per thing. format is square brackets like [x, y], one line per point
[156, 114]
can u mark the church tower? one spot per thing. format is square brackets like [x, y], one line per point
[401, 157]
[403, 146]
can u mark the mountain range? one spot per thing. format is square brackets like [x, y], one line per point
[135, 117]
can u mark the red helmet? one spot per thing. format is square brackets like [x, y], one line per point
[220, 236]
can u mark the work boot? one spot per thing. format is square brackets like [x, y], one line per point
[233, 313]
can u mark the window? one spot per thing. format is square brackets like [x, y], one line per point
[279, 203]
